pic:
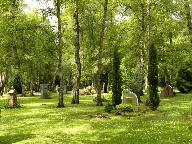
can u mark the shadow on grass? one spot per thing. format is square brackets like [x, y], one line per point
[9, 139]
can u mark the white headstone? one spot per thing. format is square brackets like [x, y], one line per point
[129, 97]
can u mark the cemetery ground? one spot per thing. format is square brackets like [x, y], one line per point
[38, 121]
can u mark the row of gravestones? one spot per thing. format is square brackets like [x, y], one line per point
[129, 97]
[12, 98]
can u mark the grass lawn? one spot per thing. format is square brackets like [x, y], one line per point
[39, 122]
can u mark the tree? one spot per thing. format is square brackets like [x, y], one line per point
[189, 19]
[153, 99]
[100, 53]
[75, 99]
[116, 78]
[60, 47]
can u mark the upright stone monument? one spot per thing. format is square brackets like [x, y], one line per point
[44, 91]
[129, 97]
[167, 91]
[12, 99]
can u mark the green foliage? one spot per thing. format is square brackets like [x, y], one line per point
[116, 78]
[108, 107]
[124, 108]
[17, 85]
[135, 82]
[184, 77]
[161, 80]
[107, 96]
[153, 99]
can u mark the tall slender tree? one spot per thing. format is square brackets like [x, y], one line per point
[153, 99]
[60, 48]
[116, 78]
[100, 53]
[188, 16]
[75, 99]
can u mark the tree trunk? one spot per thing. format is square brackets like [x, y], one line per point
[105, 87]
[148, 31]
[16, 59]
[100, 54]
[188, 16]
[3, 83]
[167, 73]
[142, 52]
[148, 22]
[75, 99]
[168, 89]
[60, 46]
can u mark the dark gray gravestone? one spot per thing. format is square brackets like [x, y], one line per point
[44, 91]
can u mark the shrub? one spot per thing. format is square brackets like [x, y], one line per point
[107, 96]
[184, 77]
[93, 91]
[108, 108]
[124, 108]
[87, 91]
[17, 85]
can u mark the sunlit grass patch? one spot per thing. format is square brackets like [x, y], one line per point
[39, 121]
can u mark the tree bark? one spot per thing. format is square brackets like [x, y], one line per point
[60, 47]
[105, 87]
[188, 16]
[148, 21]
[16, 60]
[75, 99]
[3, 83]
[142, 50]
[100, 54]
[148, 31]
[167, 73]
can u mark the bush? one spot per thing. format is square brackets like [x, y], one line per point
[17, 85]
[107, 96]
[184, 77]
[124, 108]
[87, 91]
[108, 108]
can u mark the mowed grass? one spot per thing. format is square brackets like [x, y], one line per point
[40, 122]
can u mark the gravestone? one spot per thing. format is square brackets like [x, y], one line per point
[44, 91]
[167, 91]
[12, 99]
[129, 97]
